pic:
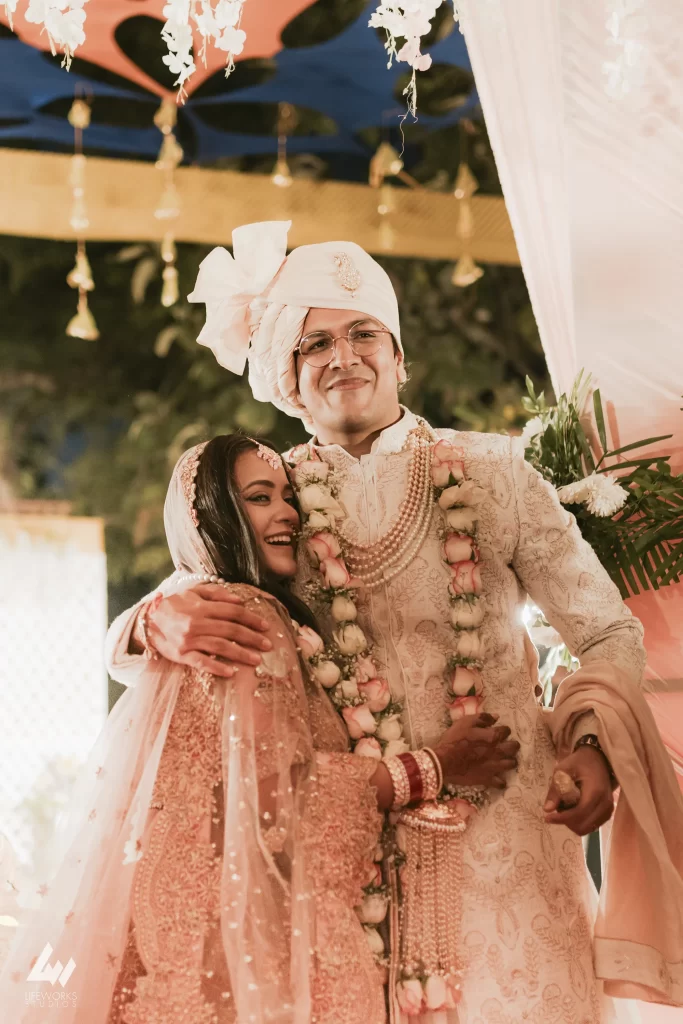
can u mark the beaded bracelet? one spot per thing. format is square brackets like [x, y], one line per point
[429, 775]
[150, 652]
[591, 740]
[399, 778]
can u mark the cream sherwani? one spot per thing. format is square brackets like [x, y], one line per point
[527, 902]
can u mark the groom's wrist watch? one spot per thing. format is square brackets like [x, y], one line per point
[591, 740]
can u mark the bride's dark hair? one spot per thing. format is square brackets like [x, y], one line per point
[225, 528]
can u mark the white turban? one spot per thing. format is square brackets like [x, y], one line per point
[258, 300]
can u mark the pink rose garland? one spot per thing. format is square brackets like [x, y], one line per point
[347, 670]
[456, 498]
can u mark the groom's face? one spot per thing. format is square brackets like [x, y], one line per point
[352, 393]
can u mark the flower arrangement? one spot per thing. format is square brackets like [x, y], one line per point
[630, 510]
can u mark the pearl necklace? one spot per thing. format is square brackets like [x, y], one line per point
[202, 577]
[379, 562]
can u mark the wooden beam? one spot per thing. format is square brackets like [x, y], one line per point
[121, 195]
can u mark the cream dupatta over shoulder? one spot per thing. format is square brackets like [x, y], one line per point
[217, 843]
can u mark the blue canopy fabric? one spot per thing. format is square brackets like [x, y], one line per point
[346, 80]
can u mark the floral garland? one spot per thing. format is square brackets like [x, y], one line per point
[345, 667]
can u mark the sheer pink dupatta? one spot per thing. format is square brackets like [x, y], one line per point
[263, 939]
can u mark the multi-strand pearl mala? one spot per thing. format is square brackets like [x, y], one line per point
[379, 562]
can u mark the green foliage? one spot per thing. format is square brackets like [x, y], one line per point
[102, 423]
[641, 546]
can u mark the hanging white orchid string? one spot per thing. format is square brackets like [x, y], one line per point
[63, 21]
[216, 21]
[409, 20]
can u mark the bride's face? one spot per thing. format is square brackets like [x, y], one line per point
[269, 502]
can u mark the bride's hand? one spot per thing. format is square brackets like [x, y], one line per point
[205, 627]
[476, 752]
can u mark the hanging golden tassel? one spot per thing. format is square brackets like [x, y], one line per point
[384, 208]
[170, 156]
[169, 292]
[466, 271]
[385, 163]
[81, 275]
[83, 325]
[282, 176]
[169, 203]
[286, 123]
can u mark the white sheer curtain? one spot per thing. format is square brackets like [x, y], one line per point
[583, 101]
[584, 104]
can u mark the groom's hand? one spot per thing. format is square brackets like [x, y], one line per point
[205, 627]
[588, 768]
[477, 752]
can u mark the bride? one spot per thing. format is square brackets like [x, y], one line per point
[221, 833]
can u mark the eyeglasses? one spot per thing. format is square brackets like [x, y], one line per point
[318, 348]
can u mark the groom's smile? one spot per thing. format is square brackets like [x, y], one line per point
[352, 392]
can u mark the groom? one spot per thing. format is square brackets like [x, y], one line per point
[321, 332]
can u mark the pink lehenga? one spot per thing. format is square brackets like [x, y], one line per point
[216, 846]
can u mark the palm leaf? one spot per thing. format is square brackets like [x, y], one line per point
[600, 419]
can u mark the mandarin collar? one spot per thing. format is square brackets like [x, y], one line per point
[391, 440]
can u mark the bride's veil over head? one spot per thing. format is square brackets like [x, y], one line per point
[251, 962]
[187, 548]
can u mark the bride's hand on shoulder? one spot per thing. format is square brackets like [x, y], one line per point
[477, 752]
[208, 628]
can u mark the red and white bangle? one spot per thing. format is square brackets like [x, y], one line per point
[416, 777]
[150, 651]
[428, 774]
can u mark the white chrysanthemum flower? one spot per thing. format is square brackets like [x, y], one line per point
[574, 494]
[606, 495]
[533, 428]
[601, 493]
